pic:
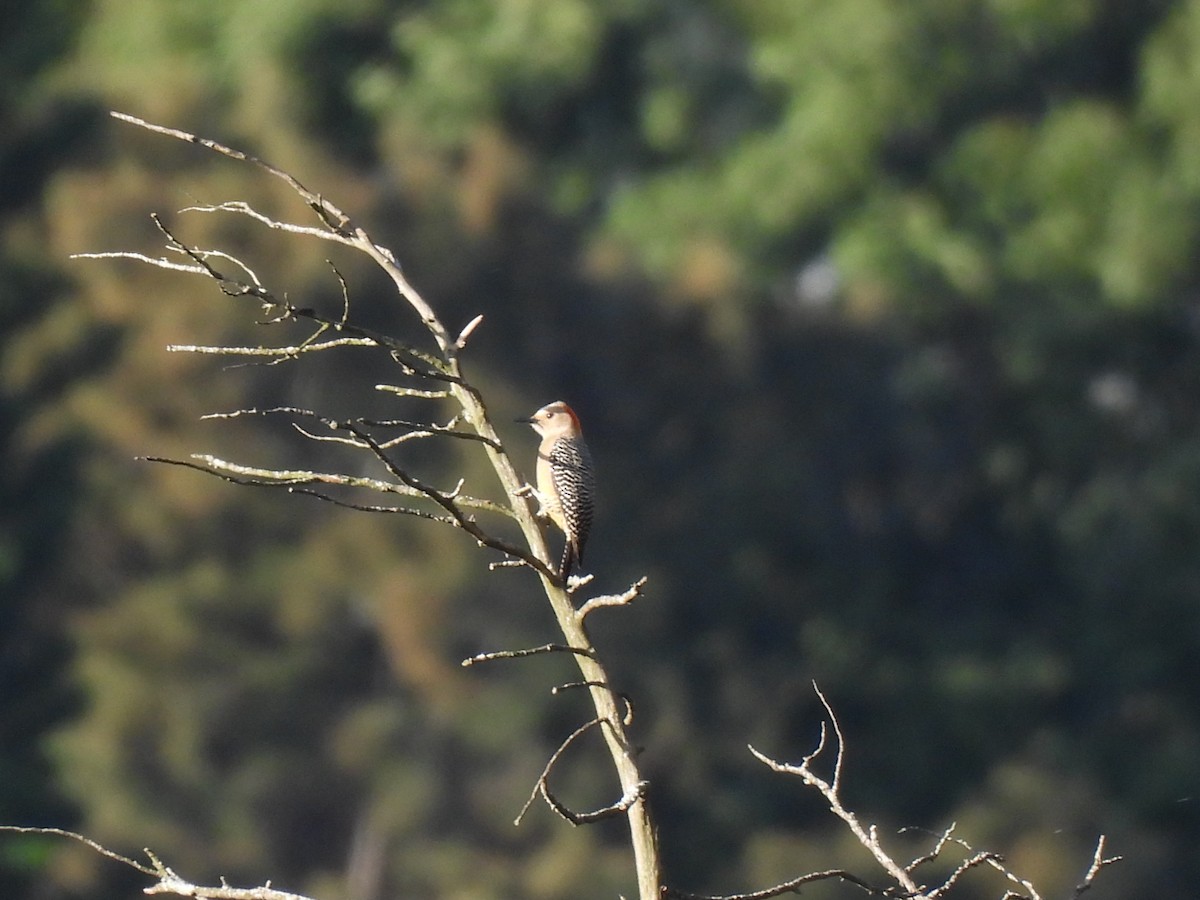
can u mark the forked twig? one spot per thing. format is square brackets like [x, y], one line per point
[831, 791]
[1099, 862]
[907, 887]
[332, 217]
[965, 866]
[933, 853]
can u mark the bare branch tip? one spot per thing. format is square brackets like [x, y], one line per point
[470, 327]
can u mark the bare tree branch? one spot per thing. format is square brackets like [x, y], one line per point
[632, 796]
[338, 224]
[830, 790]
[632, 593]
[935, 852]
[448, 502]
[158, 262]
[472, 424]
[869, 837]
[965, 866]
[427, 429]
[417, 362]
[417, 429]
[330, 215]
[168, 881]
[540, 785]
[102, 850]
[625, 698]
[422, 363]
[294, 479]
[787, 887]
[1099, 862]
[532, 651]
[441, 366]
[412, 392]
[461, 341]
[289, 352]
[242, 208]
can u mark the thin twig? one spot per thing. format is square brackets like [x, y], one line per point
[158, 262]
[995, 861]
[340, 228]
[935, 852]
[419, 429]
[632, 796]
[412, 392]
[416, 362]
[830, 790]
[327, 438]
[625, 698]
[425, 428]
[532, 651]
[787, 887]
[965, 866]
[463, 335]
[241, 207]
[623, 599]
[345, 294]
[329, 214]
[839, 756]
[252, 476]
[450, 504]
[290, 352]
[1099, 861]
[99, 848]
[367, 507]
[429, 365]
[506, 564]
[168, 881]
[540, 785]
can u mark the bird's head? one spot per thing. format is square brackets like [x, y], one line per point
[554, 420]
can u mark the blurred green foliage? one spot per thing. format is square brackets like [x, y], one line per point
[883, 322]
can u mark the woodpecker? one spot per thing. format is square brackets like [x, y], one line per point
[566, 481]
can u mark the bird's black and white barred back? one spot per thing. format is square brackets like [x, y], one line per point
[574, 478]
[566, 478]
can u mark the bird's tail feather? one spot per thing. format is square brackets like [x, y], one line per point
[570, 558]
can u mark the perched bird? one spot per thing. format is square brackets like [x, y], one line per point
[566, 480]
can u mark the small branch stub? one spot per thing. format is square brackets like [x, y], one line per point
[624, 599]
[465, 334]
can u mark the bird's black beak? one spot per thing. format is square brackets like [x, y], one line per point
[528, 420]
